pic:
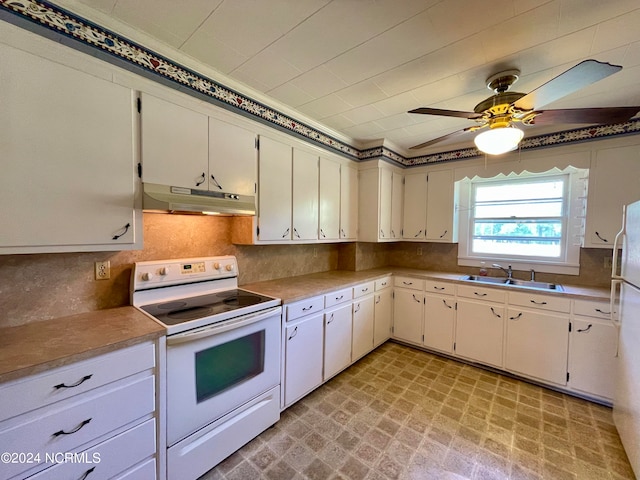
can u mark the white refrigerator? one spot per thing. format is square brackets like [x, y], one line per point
[626, 404]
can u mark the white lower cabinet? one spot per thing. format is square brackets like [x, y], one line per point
[303, 356]
[439, 320]
[593, 346]
[362, 341]
[537, 344]
[479, 332]
[383, 311]
[100, 410]
[408, 314]
[337, 340]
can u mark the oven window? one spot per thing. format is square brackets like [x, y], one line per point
[221, 367]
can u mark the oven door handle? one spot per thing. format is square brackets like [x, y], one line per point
[222, 327]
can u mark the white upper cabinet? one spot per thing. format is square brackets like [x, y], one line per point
[232, 158]
[305, 195]
[441, 215]
[378, 218]
[348, 203]
[329, 200]
[614, 180]
[69, 159]
[414, 220]
[175, 144]
[274, 199]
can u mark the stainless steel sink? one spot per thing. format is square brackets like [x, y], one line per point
[513, 282]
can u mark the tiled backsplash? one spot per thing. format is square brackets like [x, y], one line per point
[44, 286]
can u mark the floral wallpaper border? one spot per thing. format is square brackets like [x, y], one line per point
[66, 23]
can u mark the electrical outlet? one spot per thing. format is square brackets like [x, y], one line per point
[419, 252]
[103, 270]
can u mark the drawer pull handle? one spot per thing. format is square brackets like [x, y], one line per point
[445, 232]
[480, 294]
[584, 329]
[378, 299]
[87, 473]
[384, 284]
[293, 334]
[330, 319]
[78, 383]
[62, 432]
[438, 288]
[602, 238]
[604, 313]
[124, 229]
[538, 303]
[516, 317]
[340, 297]
[306, 309]
[365, 289]
[201, 179]
[418, 234]
[286, 232]
[496, 314]
[356, 309]
[414, 297]
[407, 283]
[445, 304]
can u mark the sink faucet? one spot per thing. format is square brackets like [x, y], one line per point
[508, 272]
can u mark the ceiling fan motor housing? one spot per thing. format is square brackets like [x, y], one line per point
[504, 98]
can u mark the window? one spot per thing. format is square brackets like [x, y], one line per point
[530, 221]
[519, 217]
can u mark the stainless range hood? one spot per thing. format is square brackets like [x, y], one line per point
[166, 198]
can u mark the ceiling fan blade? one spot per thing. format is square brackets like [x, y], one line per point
[583, 74]
[439, 139]
[446, 113]
[602, 116]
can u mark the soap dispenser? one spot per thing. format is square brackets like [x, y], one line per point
[483, 270]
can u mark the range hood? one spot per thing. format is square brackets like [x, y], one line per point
[166, 198]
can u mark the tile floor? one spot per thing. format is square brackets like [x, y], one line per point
[401, 413]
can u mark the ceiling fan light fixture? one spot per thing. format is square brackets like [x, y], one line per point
[497, 141]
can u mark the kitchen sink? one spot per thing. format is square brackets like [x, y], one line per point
[513, 282]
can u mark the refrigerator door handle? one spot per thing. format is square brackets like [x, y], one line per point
[616, 241]
[616, 285]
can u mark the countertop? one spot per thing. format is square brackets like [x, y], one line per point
[292, 289]
[41, 346]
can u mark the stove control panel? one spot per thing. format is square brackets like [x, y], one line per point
[160, 273]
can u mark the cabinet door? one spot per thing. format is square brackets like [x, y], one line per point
[440, 207]
[613, 182]
[385, 193]
[408, 309]
[337, 340]
[383, 315]
[274, 198]
[363, 311]
[529, 333]
[414, 219]
[329, 200]
[397, 192]
[232, 159]
[303, 357]
[479, 332]
[439, 315]
[305, 195]
[68, 165]
[175, 144]
[348, 202]
[592, 357]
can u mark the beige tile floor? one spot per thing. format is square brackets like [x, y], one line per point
[401, 413]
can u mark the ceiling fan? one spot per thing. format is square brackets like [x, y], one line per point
[502, 111]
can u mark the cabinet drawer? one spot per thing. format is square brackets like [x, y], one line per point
[77, 421]
[339, 296]
[544, 302]
[364, 289]
[383, 283]
[109, 458]
[33, 392]
[443, 288]
[479, 293]
[304, 307]
[592, 308]
[408, 282]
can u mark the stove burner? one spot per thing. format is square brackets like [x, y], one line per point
[171, 305]
[189, 313]
[241, 300]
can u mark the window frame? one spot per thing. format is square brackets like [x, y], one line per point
[566, 263]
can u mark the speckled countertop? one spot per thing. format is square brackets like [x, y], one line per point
[40, 346]
[292, 289]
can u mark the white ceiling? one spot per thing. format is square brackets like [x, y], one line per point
[357, 66]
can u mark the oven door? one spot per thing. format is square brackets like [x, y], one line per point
[213, 370]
